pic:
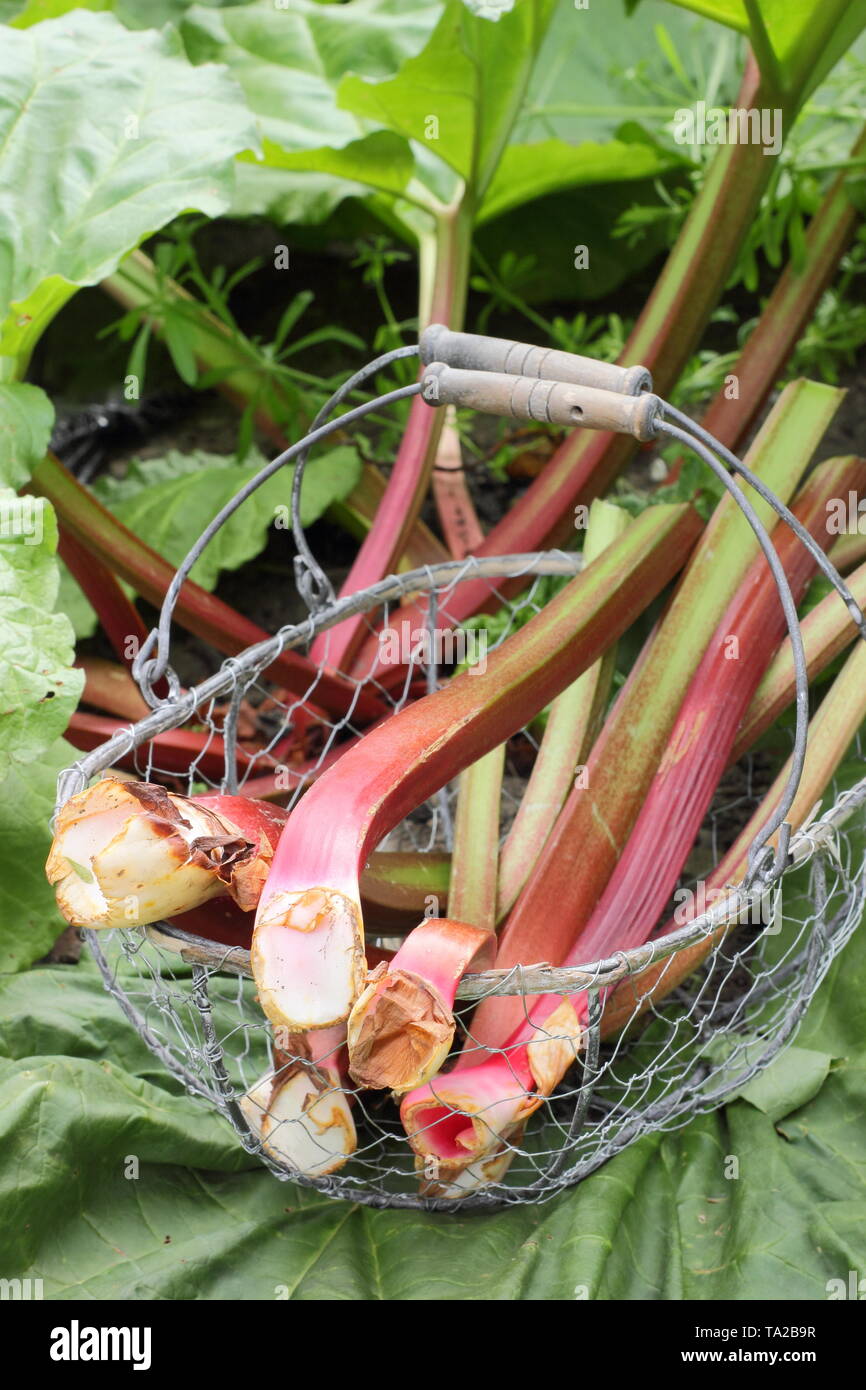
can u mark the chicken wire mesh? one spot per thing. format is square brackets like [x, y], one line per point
[193, 1002]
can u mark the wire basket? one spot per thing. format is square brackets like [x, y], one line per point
[194, 1003]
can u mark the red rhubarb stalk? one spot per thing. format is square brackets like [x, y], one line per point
[176, 751]
[594, 825]
[308, 946]
[121, 621]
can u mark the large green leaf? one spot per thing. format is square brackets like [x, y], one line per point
[143, 137]
[528, 172]
[470, 81]
[29, 921]
[26, 421]
[38, 691]
[290, 60]
[448, 110]
[169, 501]
[801, 39]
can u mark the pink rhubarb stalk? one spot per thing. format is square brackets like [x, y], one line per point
[831, 732]
[592, 829]
[410, 477]
[401, 1027]
[308, 947]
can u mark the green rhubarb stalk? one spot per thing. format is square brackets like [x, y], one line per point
[475, 853]
[831, 732]
[572, 724]
[399, 888]
[308, 945]
[594, 825]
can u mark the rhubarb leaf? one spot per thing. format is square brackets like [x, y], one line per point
[804, 39]
[527, 172]
[289, 61]
[26, 420]
[170, 500]
[38, 691]
[791, 1079]
[29, 920]
[144, 138]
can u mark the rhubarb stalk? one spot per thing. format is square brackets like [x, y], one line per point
[831, 732]
[826, 631]
[572, 724]
[300, 1110]
[475, 854]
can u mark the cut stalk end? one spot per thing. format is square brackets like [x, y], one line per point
[302, 1116]
[400, 1032]
[130, 853]
[308, 957]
